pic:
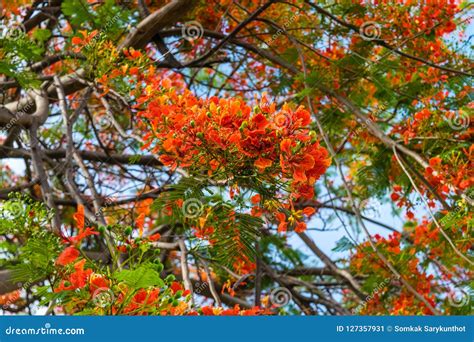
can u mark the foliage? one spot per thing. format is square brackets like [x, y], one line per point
[185, 155]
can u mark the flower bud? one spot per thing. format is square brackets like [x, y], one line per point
[243, 125]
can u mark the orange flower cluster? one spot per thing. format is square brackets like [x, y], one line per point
[235, 311]
[71, 253]
[402, 302]
[229, 140]
[76, 280]
[144, 298]
[296, 218]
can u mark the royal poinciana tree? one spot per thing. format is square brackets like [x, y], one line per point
[192, 157]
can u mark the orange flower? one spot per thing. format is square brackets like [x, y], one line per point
[97, 281]
[122, 249]
[308, 211]
[67, 256]
[79, 216]
[77, 280]
[435, 161]
[175, 287]
[263, 163]
[76, 40]
[283, 225]
[256, 199]
[207, 310]
[285, 146]
[154, 237]
[83, 233]
[143, 299]
[300, 227]
[140, 222]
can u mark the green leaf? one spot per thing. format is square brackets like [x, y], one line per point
[291, 55]
[77, 11]
[343, 244]
[141, 277]
[42, 34]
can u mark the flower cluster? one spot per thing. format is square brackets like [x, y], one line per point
[228, 139]
[82, 286]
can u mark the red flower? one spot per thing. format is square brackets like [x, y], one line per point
[122, 249]
[76, 280]
[175, 287]
[140, 222]
[285, 146]
[154, 237]
[283, 225]
[67, 256]
[305, 191]
[97, 281]
[308, 211]
[143, 299]
[300, 227]
[79, 217]
[435, 161]
[255, 199]
[83, 233]
[76, 40]
[207, 311]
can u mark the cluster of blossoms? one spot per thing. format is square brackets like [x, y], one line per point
[232, 142]
[228, 139]
[396, 299]
[84, 287]
[91, 292]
